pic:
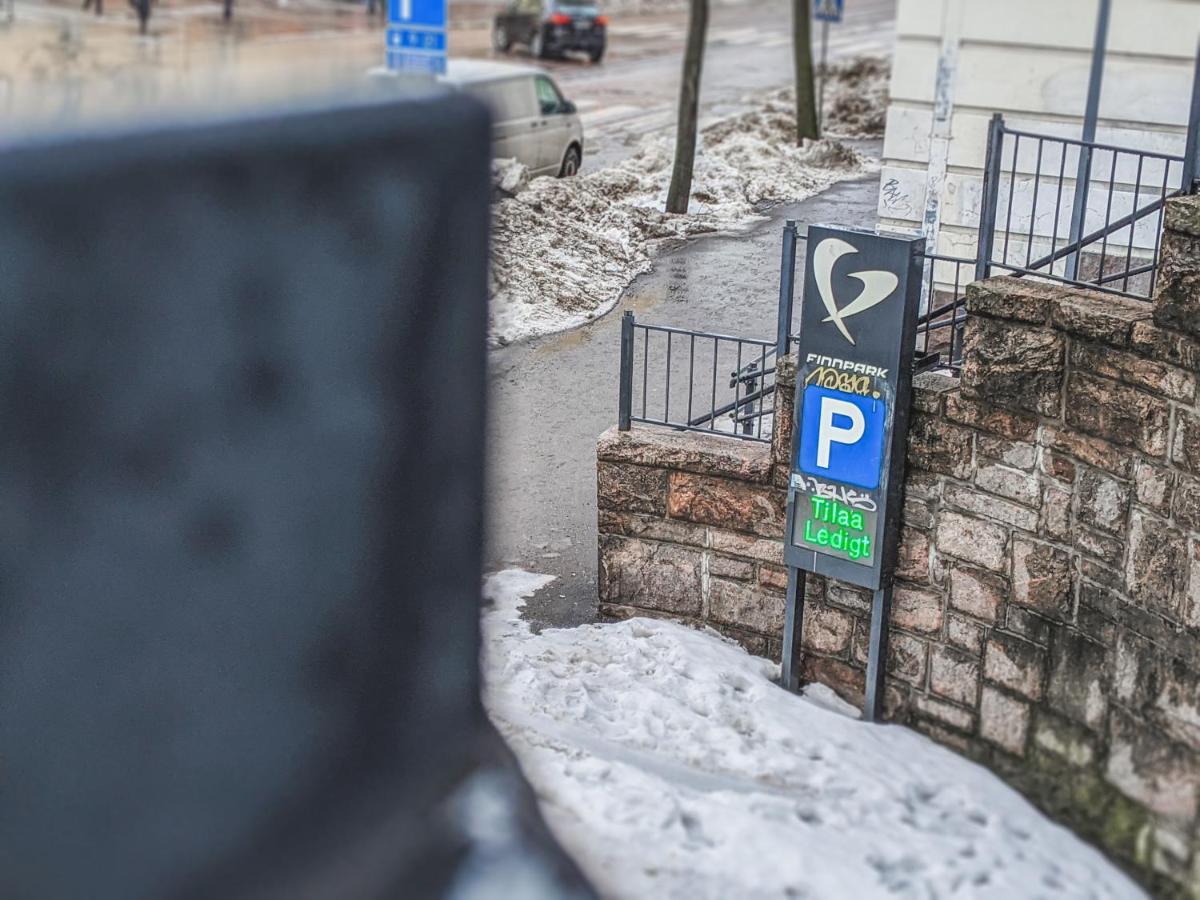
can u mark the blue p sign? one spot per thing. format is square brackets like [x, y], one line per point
[841, 437]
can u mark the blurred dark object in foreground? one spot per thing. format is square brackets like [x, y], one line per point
[242, 377]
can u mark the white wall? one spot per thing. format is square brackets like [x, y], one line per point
[1028, 59]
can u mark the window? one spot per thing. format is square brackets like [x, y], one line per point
[548, 96]
[577, 7]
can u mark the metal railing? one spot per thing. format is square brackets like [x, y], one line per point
[696, 381]
[943, 312]
[1078, 212]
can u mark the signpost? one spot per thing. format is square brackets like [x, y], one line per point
[416, 36]
[858, 321]
[825, 11]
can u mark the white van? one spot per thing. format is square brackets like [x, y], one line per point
[532, 121]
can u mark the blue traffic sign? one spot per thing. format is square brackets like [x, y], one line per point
[828, 10]
[416, 36]
[842, 437]
[430, 13]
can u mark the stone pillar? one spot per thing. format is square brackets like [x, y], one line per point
[1177, 291]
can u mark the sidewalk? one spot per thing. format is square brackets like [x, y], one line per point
[551, 397]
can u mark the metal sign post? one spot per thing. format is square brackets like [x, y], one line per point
[858, 319]
[1083, 172]
[416, 36]
[825, 11]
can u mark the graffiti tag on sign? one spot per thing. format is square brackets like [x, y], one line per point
[842, 493]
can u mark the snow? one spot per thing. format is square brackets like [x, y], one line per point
[669, 765]
[856, 97]
[563, 250]
[509, 177]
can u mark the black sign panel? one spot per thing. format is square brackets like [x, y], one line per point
[857, 331]
[242, 382]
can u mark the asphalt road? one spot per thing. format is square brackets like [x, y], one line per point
[634, 92]
[552, 397]
[60, 63]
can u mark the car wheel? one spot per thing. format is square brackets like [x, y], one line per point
[537, 46]
[570, 163]
[500, 39]
[596, 54]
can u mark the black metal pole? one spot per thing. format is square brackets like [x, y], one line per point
[881, 612]
[625, 403]
[991, 194]
[1091, 112]
[793, 627]
[1193, 132]
[787, 279]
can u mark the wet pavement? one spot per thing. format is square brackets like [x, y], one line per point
[60, 65]
[552, 397]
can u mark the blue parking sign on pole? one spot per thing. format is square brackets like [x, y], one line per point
[828, 10]
[416, 36]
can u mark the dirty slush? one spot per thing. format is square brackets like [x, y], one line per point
[563, 250]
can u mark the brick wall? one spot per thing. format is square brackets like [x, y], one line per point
[691, 527]
[1046, 616]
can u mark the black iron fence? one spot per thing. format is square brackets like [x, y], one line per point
[696, 380]
[1077, 212]
[943, 311]
[718, 383]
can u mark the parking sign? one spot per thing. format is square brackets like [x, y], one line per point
[858, 323]
[857, 332]
[416, 36]
[842, 437]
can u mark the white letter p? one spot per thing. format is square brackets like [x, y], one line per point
[828, 433]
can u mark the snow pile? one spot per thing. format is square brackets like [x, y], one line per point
[563, 250]
[509, 177]
[856, 97]
[669, 765]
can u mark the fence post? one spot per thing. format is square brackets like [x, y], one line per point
[1083, 174]
[625, 404]
[1193, 132]
[990, 198]
[787, 277]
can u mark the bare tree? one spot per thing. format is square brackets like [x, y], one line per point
[689, 109]
[806, 102]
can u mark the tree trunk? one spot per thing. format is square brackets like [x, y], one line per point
[689, 107]
[806, 101]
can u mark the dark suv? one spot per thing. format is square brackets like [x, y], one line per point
[551, 27]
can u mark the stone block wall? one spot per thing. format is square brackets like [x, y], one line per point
[1046, 612]
[1046, 616]
[691, 527]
